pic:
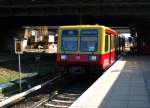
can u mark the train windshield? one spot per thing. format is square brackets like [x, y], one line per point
[69, 40]
[88, 40]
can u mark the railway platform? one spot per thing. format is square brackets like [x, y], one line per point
[126, 84]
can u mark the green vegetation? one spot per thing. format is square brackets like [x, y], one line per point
[7, 75]
[30, 66]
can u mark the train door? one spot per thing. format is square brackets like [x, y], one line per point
[119, 45]
[112, 48]
[116, 45]
[106, 56]
[110, 54]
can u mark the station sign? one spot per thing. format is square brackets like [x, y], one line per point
[19, 50]
[18, 46]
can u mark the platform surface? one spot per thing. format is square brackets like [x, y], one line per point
[125, 85]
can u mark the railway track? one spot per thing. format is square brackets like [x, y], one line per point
[12, 100]
[59, 94]
[64, 98]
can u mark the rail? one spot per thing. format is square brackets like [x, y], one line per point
[20, 95]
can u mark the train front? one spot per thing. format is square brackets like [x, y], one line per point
[78, 47]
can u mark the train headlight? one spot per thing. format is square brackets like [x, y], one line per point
[64, 57]
[92, 58]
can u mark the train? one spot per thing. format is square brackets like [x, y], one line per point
[90, 47]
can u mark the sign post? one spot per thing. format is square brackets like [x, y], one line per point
[19, 50]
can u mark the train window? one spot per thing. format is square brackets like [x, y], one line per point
[69, 40]
[88, 43]
[106, 42]
[89, 40]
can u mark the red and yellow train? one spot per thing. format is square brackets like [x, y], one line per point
[88, 46]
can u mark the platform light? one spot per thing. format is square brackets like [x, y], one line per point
[92, 58]
[64, 57]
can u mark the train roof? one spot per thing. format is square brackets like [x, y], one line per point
[86, 26]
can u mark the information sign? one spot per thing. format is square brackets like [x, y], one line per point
[18, 47]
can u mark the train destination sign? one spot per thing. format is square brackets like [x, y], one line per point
[89, 32]
[70, 32]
